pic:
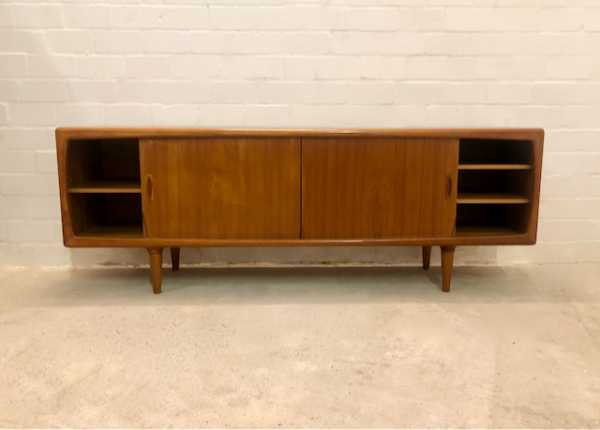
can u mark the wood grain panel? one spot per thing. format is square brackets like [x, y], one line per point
[222, 188]
[378, 188]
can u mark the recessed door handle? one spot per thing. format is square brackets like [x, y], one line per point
[448, 186]
[149, 187]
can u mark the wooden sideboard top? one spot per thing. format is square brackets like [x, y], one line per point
[150, 132]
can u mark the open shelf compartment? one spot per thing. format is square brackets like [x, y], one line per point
[104, 166]
[104, 188]
[495, 187]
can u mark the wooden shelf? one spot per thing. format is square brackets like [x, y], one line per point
[108, 187]
[494, 167]
[490, 198]
[124, 231]
[467, 231]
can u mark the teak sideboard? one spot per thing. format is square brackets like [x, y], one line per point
[157, 188]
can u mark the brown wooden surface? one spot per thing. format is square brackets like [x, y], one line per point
[221, 188]
[175, 258]
[486, 235]
[156, 268]
[447, 263]
[102, 187]
[494, 167]
[426, 257]
[491, 198]
[376, 188]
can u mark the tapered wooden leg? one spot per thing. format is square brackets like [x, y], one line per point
[447, 261]
[426, 257]
[156, 268]
[175, 258]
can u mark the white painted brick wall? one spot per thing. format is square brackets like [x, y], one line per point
[323, 63]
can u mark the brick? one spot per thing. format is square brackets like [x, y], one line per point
[509, 93]
[196, 66]
[46, 161]
[149, 67]
[166, 41]
[383, 19]
[128, 115]
[69, 41]
[569, 68]
[137, 16]
[184, 18]
[251, 68]
[566, 93]
[469, 93]
[17, 162]
[509, 68]
[9, 91]
[522, 19]
[43, 91]
[342, 68]
[186, 92]
[260, 43]
[7, 16]
[32, 114]
[23, 185]
[213, 42]
[574, 164]
[267, 116]
[233, 18]
[539, 116]
[220, 115]
[493, 116]
[233, 92]
[56, 66]
[3, 231]
[307, 43]
[592, 20]
[12, 65]
[561, 19]
[419, 19]
[80, 115]
[23, 138]
[370, 93]
[118, 41]
[17, 41]
[584, 116]
[427, 67]
[3, 115]
[376, 68]
[285, 18]
[39, 16]
[86, 16]
[300, 68]
[101, 67]
[450, 116]
[139, 92]
[30, 231]
[469, 19]
[91, 91]
[572, 140]
[281, 92]
[419, 93]
[174, 115]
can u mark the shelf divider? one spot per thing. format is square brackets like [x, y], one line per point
[490, 198]
[472, 166]
[107, 187]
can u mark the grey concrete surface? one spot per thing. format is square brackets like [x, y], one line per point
[301, 347]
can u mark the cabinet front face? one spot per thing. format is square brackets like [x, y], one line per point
[221, 188]
[370, 187]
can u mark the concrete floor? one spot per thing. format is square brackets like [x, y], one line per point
[310, 347]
